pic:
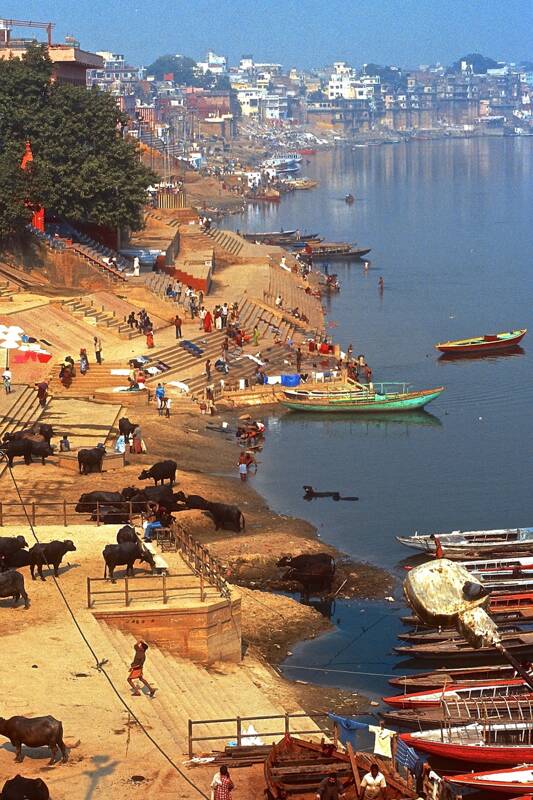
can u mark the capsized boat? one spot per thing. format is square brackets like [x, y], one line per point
[461, 544]
[516, 643]
[480, 692]
[478, 743]
[485, 344]
[508, 781]
[356, 397]
[295, 768]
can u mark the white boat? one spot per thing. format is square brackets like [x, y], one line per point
[461, 544]
[497, 566]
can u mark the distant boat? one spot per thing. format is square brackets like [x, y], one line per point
[307, 151]
[463, 544]
[357, 398]
[486, 344]
[349, 198]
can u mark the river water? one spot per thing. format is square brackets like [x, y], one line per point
[450, 225]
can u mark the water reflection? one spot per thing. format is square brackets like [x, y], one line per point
[371, 421]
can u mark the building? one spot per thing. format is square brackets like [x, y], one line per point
[216, 65]
[115, 75]
[69, 62]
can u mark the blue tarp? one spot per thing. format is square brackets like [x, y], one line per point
[290, 380]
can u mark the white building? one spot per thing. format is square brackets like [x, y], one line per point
[217, 65]
[273, 107]
[249, 100]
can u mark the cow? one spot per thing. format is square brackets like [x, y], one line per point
[127, 553]
[160, 471]
[89, 500]
[19, 447]
[10, 544]
[127, 534]
[19, 788]
[110, 515]
[90, 460]
[126, 427]
[314, 571]
[50, 553]
[12, 585]
[34, 732]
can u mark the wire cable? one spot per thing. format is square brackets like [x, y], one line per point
[100, 663]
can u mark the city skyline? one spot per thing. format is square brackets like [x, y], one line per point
[305, 35]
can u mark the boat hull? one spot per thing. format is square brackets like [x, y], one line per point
[409, 401]
[483, 344]
[476, 753]
[510, 782]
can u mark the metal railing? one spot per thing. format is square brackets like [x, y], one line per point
[61, 512]
[200, 560]
[128, 587]
[236, 732]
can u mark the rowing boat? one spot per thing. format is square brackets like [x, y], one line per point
[485, 344]
[461, 712]
[356, 397]
[460, 649]
[497, 566]
[427, 635]
[515, 606]
[487, 743]
[490, 690]
[461, 544]
[508, 781]
[458, 675]
[295, 768]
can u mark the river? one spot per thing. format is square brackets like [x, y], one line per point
[451, 230]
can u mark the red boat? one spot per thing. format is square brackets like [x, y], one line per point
[307, 151]
[481, 691]
[506, 781]
[486, 344]
[478, 743]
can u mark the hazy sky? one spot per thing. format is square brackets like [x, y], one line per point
[303, 33]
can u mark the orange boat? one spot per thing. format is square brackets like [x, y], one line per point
[483, 344]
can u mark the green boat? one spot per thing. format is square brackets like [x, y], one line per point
[356, 397]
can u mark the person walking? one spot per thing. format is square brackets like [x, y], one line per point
[208, 369]
[42, 393]
[298, 360]
[222, 785]
[177, 324]
[256, 336]
[224, 314]
[167, 402]
[136, 669]
[98, 349]
[137, 440]
[6, 377]
[160, 398]
[243, 466]
[150, 339]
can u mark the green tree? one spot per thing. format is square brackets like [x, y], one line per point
[14, 189]
[182, 68]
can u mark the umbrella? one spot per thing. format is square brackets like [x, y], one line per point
[15, 329]
[8, 345]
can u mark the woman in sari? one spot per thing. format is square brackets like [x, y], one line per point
[208, 322]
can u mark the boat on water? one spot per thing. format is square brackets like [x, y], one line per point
[473, 676]
[485, 344]
[460, 712]
[498, 689]
[515, 643]
[463, 544]
[294, 768]
[479, 743]
[356, 397]
[508, 781]
[515, 606]
[335, 251]
[497, 566]
[349, 198]
[443, 634]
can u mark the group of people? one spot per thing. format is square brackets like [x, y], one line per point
[356, 369]
[142, 322]
[163, 402]
[134, 442]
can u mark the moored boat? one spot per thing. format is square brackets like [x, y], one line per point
[508, 781]
[516, 643]
[335, 250]
[481, 692]
[462, 544]
[457, 675]
[459, 713]
[355, 397]
[516, 606]
[477, 743]
[486, 344]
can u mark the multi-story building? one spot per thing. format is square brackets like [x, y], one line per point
[115, 75]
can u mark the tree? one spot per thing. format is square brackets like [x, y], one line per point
[478, 63]
[83, 169]
[181, 67]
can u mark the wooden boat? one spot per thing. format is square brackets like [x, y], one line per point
[296, 767]
[478, 743]
[307, 151]
[335, 250]
[349, 198]
[497, 566]
[508, 781]
[486, 344]
[356, 397]
[463, 544]
[461, 712]
[444, 676]
[516, 606]
[444, 634]
[517, 644]
[481, 692]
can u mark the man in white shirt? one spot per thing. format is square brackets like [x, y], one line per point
[373, 785]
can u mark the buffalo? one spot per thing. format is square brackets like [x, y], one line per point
[314, 571]
[10, 544]
[160, 471]
[89, 501]
[40, 447]
[111, 515]
[91, 460]
[156, 493]
[16, 560]
[19, 447]
[12, 585]
[126, 427]
[34, 732]
[38, 428]
[125, 554]
[127, 534]
[50, 553]
[19, 788]
[224, 515]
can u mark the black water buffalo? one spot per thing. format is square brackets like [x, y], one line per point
[34, 732]
[89, 500]
[10, 544]
[126, 427]
[156, 493]
[18, 447]
[127, 534]
[224, 516]
[160, 471]
[192, 500]
[19, 788]
[90, 460]
[111, 515]
[12, 585]
[16, 560]
[40, 448]
[127, 553]
[50, 553]
[314, 571]
[37, 429]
